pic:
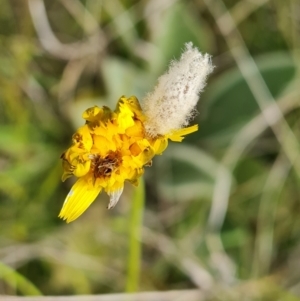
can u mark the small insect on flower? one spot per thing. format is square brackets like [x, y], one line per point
[115, 146]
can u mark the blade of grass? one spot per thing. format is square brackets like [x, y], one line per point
[135, 247]
[13, 278]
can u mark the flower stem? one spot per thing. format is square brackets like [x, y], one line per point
[135, 246]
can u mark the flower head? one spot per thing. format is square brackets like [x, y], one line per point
[115, 146]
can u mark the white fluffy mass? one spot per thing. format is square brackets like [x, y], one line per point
[172, 103]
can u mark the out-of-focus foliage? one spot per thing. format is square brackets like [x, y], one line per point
[222, 209]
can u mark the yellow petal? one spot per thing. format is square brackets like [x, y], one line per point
[95, 115]
[92, 114]
[136, 130]
[135, 107]
[82, 168]
[83, 137]
[125, 116]
[78, 200]
[177, 135]
[135, 149]
[103, 145]
[146, 156]
[160, 145]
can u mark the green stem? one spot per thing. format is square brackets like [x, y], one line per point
[135, 231]
[13, 278]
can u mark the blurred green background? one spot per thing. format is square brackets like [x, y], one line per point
[222, 208]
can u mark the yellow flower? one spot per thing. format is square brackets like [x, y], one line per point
[115, 146]
[111, 148]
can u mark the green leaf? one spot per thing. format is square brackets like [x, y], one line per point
[13, 278]
[229, 103]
